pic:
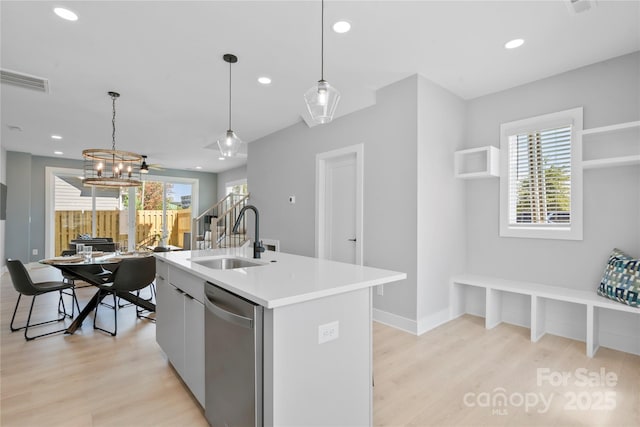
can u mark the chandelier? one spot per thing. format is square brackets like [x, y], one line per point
[111, 168]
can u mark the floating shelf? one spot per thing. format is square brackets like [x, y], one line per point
[482, 162]
[611, 128]
[624, 141]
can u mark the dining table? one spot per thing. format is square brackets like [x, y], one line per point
[96, 270]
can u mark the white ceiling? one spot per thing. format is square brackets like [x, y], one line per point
[165, 58]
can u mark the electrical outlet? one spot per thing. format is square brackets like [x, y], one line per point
[380, 290]
[34, 252]
[328, 332]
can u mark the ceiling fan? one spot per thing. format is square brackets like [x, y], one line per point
[144, 166]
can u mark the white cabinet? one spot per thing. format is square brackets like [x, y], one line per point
[170, 323]
[180, 325]
[194, 347]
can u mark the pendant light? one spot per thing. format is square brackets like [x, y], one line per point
[322, 99]
[229, 143]
[111, 168]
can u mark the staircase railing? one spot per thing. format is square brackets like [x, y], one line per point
[212, 228]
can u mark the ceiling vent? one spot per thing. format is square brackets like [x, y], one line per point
[24, 80]
[579, 6]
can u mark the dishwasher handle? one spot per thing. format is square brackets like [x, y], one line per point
[228, 316]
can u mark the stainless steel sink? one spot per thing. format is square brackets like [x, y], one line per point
[226, 263]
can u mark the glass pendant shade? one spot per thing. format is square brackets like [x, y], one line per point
[229, 144]
[322, 100]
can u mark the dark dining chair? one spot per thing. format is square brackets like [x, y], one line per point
[24, 285]
[132, 274]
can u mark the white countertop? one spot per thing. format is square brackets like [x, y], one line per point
[284, 279]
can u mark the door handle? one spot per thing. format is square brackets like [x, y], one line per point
[228, 316]
[352, 240]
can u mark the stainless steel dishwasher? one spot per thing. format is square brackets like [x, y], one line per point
[233, 359]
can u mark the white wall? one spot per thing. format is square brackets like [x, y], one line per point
[441, 213]
[283, 164]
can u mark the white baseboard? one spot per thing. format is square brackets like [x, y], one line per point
[395, 321]
[408, 325]
[434, 320]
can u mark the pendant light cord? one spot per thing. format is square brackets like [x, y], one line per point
[229, 95]
[113, 124]
[322, 43]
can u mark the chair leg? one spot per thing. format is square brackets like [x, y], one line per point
[64, 307]
[15, 310]
[140, 311]
[115, 316]
[28, 325]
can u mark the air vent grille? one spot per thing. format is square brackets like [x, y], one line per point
[24, 80]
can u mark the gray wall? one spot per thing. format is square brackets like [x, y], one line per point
[3, 179]
[230, 175]
[283, 164]
[610, 93]
[26, 199]
[17, 226]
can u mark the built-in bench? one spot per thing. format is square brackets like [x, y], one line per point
[539, 293]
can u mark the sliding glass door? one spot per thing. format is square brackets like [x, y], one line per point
[164, 211]
[160, 215]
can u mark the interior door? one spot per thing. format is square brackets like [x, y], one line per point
[340, 208]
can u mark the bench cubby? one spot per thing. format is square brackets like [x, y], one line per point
[587, 303]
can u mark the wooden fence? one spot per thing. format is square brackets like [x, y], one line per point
[70, 224]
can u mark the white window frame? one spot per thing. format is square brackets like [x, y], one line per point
[573, 231]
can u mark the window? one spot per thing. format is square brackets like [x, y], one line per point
[237, 187]
[541, 177]
[72, 209]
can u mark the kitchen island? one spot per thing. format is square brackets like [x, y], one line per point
[315, 364]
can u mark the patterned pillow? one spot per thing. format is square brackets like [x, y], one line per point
[621, 279]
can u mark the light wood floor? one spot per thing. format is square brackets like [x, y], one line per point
[92, 379]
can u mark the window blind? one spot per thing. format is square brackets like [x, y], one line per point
[540, 177]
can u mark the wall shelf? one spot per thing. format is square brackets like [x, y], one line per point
[613, 145]
[611, 128]
[482, 162]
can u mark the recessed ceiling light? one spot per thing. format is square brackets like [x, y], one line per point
[512, 44]
[341, 27]
[65, 14]
[264, 80]
[58, 153]
[221, 158]
[198, 167]
[56, 137]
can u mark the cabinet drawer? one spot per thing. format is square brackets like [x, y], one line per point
[162, 269]
[188, 283]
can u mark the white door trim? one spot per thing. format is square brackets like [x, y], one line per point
[321, 165]
[50, 173]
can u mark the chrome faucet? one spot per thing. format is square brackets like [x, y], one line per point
[257, 244]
